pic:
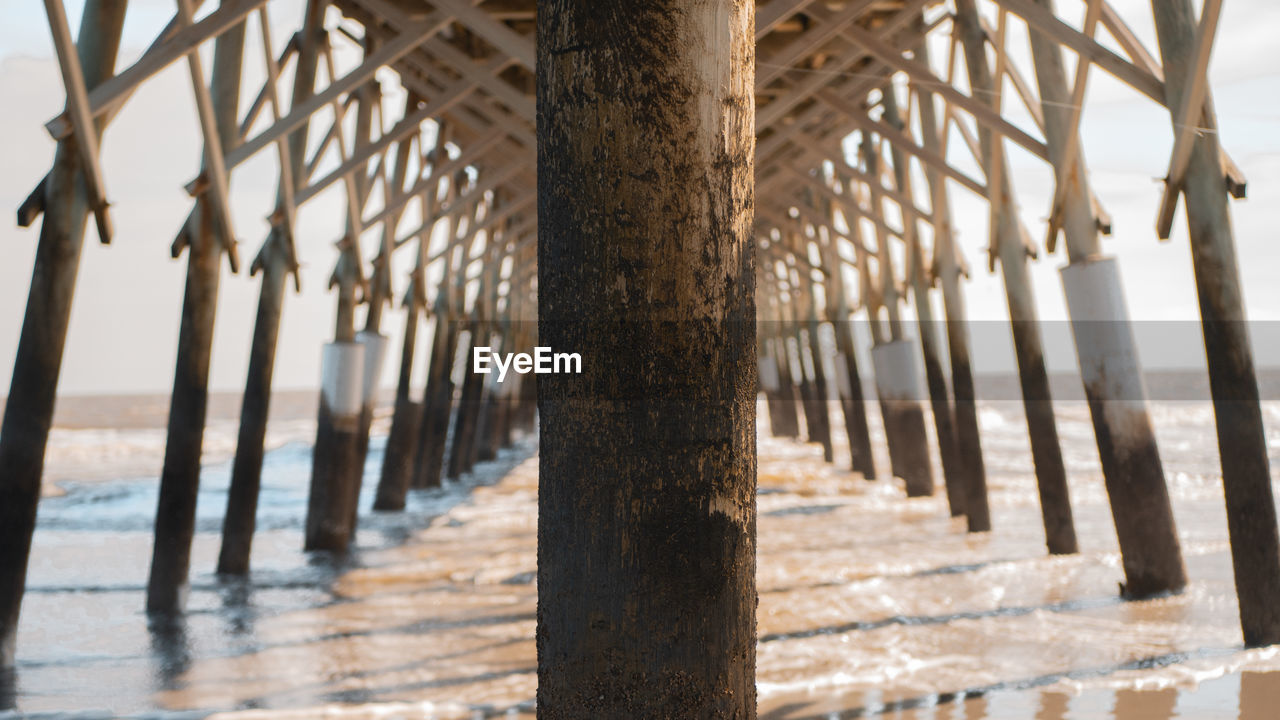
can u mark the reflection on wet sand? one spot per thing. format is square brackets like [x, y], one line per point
[870, 605]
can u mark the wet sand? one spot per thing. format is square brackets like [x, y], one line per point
[870, 604]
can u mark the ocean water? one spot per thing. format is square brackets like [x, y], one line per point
[871, 605]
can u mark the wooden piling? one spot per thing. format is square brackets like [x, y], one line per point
[240, 520]
[28, 412]
[275, 262]
[335, 464]
[437, 398]
[459, 460]
[1242, 447]
[1011, 247]
[894, 360]
[651, 612]
[947, 269]
[852, 403]
[406, 418]
[207, 238]
[935, 380]
[1108, 359]
[788, 420]
[821, 395]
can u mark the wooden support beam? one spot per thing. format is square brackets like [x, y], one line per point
[920, 73]
[287, 202]
[174, 44]
[1233, 383]
[1068, 158]
[1086, 47]
[773, 13]
[497, 34]
[1186, 119]
[408, 125]
[81, 118]
[815, 80]
[458, 163]
[900, 138]
[217, 187]
[410, 37]
[774, 66]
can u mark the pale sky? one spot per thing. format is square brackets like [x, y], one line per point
[129, 296]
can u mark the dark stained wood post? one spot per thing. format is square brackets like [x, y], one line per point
[397, 460]
[852, 402]
[437, 397]
[935, 379]
[28, 412]
[335, 459]
[775, 375]
[180, 477]
[462, 453]
[468, 403]
[646, 535]
[1105, 346]
[821, 403]
[793, 337]
[821, 406]
[1011, 248]
[485, 446]
[948, 269]
[275, 260]
[240, 520]
[895, 360]
[1246, 476]
[401, 449]
[789, 402]
[377, 288]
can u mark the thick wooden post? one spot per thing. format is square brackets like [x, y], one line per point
[1104, 345]
[468, 403]
[240, 520]
[335, 464]
[775, 376]
[28, 412]
[1246, 477]
[397, 461]
[485, 446]
[821, 413]
[852, 403]
[935, 379]
[947, 268]
[1012, 250]
[895, 363]
[872, 302]
[437, 396]
[275, 262]
[820, 399]
[788, 403]
[646, 535]
[180, 478]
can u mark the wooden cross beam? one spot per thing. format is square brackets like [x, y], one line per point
[922, 74]
[174, 42]
[815, 80]
[1041, 19]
